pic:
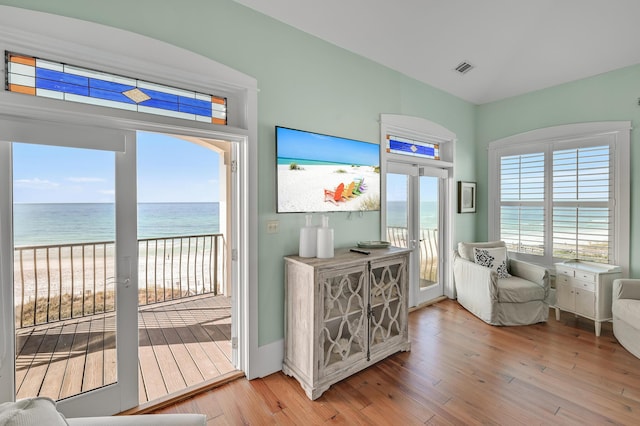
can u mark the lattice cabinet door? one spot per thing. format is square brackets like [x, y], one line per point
[343, 329]
[387, 298]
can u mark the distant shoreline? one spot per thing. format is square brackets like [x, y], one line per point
[64, 223]
[310, 162]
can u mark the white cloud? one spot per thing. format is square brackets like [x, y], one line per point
[84, 179]
[108, 192]
[36, 183]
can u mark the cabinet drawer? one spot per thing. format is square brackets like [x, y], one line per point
[565, 272]
[562, 279]
[584, 285]
[586, 276]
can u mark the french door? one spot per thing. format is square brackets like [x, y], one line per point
[68, 266]
[414, 219]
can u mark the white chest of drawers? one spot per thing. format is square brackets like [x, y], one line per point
[584, 288]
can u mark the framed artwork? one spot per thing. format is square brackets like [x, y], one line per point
[466, 197]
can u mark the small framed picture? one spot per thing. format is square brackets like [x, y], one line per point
[466, 197]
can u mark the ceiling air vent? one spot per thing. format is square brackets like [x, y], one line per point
[464, 67]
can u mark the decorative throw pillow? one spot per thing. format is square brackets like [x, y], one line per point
[494, 258]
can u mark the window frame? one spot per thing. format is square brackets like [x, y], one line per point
[615, 133]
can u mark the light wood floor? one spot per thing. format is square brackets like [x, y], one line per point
[182, 344]
[459, 371]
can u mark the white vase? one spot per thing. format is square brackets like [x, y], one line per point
[308, 238]
[325, 240]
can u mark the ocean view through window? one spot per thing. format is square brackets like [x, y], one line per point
[65, 221]
[40, 224]
[562, 198]
[66, 254]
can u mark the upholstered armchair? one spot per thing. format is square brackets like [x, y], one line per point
[498, 290]
[626, 313]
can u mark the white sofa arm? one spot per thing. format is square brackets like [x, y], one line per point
[476, 288]
[471, 278]
[530, 272]
[626, 288]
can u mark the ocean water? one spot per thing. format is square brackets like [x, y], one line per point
[43, 224]
[307, 162]
[397, 214]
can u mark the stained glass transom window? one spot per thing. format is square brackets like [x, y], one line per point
[404, 146]
[39, 77]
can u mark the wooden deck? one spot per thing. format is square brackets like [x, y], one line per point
[182, 343]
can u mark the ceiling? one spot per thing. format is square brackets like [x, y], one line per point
[515, 46]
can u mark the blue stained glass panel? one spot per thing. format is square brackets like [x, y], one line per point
[109, 95]
[62, 77]
[97, 88]
[154, 94]
[194, 110]
[410, 148]
[195, 106]
[194, 102]
[155, 103]
[109, 85]
[61, 87]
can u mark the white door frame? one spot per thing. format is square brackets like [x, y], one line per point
[129, 54]
[420, 129]
[123, 394]
[77, 406]
[417, 295]
[7, 313]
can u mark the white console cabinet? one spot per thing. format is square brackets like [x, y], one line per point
[343, 314]
[584, 288]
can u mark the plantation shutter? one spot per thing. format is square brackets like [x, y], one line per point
[563, 193]
[582, 204]
[522, 211]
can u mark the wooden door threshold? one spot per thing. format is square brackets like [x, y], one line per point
[176, 397]
[427, 303]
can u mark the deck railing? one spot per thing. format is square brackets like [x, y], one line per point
[58, 282]
[397, 236]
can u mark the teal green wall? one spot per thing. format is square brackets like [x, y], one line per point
[304, 83]
[608, 97]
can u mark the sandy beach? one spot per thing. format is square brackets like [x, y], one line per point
[93, 272]
[303, 190]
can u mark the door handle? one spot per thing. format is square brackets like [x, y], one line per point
[126, 269]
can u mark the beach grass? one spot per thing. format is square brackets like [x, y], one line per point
[43, 310]
[370, 203]
[295, 166]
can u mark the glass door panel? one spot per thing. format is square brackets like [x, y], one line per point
[398, 209]
[413, 212]
[429, 231]
[67, 243]
[63, 270]
[343, 326]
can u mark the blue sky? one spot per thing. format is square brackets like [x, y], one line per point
[397, 188]
[169, 170]
[312, 146]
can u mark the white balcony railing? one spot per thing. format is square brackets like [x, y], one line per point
[397, 236]
[58, 282]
